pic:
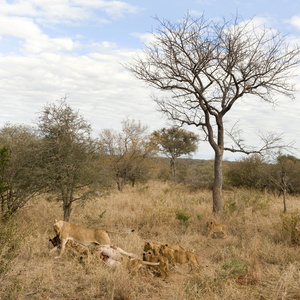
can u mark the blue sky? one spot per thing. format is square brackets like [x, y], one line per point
[55, 48]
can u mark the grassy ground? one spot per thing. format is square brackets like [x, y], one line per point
[260, 258]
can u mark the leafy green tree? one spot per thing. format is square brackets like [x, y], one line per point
[175, 142]
[205, 67]
[19, 167]
[68, 153]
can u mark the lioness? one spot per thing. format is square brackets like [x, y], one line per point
[216, 228]
[163, 266]
[181, 256]
[74, 246]
[85, 236]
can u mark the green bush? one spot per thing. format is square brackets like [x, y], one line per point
[234, 267]
[10, 240]
[180, 215]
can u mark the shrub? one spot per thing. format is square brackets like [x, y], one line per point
[10, 240]
[289, 223]
[235, 267]
[180, 215]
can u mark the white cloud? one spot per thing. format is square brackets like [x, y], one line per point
[45, 44]
[17, 8]
[33, 39]
[115, 9]
[95, 83]
[64, 11]
[295, 21]
[145, 38]
[19, 27]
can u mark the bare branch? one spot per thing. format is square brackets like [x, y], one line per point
[271, 141]
[206, 67]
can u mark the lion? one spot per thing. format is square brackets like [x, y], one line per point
[163, 266]
[133, 265]
[85, 236]
[216, 228]
[181, 257]
[156, 247]
[168, 252]
[72, 245]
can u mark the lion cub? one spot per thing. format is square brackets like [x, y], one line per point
[216, 228]
[133, 265]
[181, 257]
[156, 247]
[163, 266]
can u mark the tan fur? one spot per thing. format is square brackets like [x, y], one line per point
[216, 228]
[181, 257]
[156, 247]
[175, 247]
[163, 266]
[72, 245]
[168, 252]
[133, 265]
[85, 236]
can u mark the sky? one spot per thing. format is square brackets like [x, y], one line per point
[50, 49]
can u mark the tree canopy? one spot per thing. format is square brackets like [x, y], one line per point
[175, 142]
[205, 67]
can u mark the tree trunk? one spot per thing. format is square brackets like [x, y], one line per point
[67, 203]
[173, 169]
[67, 206]
[218, 182]
[120, 183]
[284, 188]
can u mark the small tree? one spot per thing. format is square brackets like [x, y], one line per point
[175, 142]
[127, 152]
[205, 67]
[284, 174]
[67, 153]
[19, 167]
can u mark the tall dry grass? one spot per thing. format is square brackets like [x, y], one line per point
[258, 260]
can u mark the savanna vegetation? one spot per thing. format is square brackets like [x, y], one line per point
[58, 170]
[135, 179]
[258, 260]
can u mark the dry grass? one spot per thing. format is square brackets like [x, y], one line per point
[260, 259]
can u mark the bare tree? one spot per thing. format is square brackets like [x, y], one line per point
[127, 152]
[206, 67]
[285, 175]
